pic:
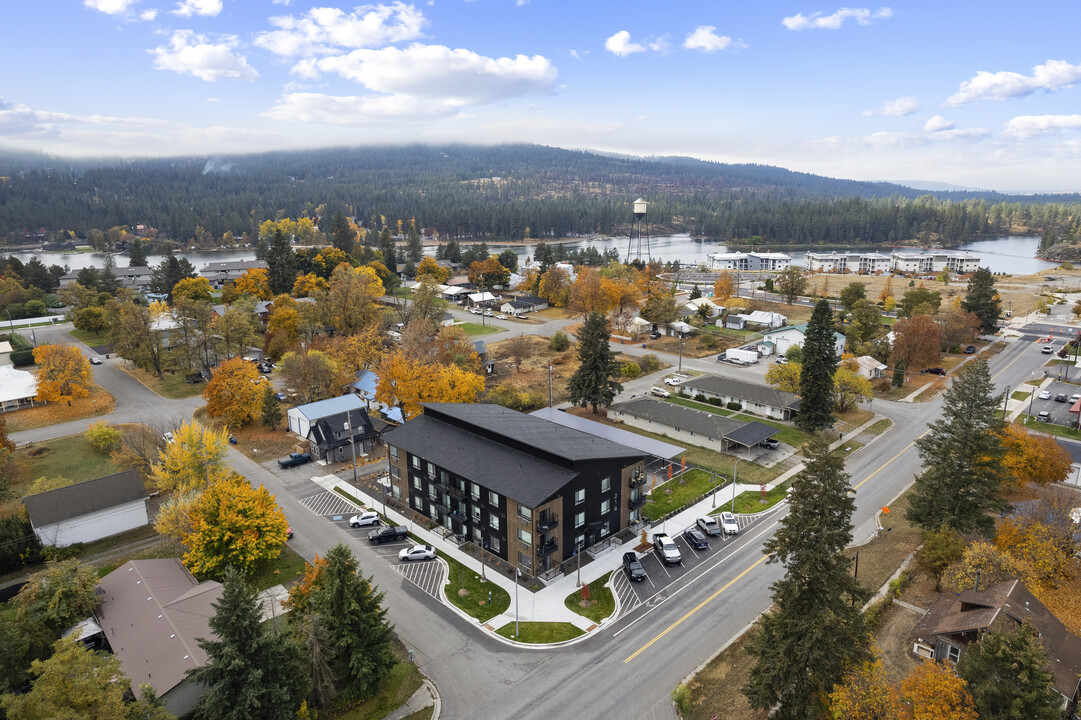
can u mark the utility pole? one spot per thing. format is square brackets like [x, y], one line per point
[680, 367]
[353, 446]
[517, 574]
[578, 552]
[735, 467]
[549, 386]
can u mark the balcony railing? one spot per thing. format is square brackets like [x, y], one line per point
[455, 492]
[547, 524]
[546, 549]
[638, 480]
[636, 502]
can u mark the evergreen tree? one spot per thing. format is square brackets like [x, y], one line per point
[107, 280]
[592, 383]
[1010, 677]
[815, 630]
[250, 673]
[386, 246]
[696, 292]
[168, 273]
[136, 253]
[819, 364]
[261, 247]
[509, 259]
[982, 299]
[341, 234]
[272, 409]
[361, 637]
[899, 373]
[962, 477]
[414, 246]
[281, 264]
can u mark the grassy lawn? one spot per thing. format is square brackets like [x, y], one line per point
[540, 633]
[1049, 428]
[474, 600]
[679, 492]
[284, 569]
[72, 458]
[881, 557]
[476, 330]
[879, 427]
[602, 604]
[422, 714]
[750, 502]
[172, 385]
[786, 433]
[100, 402]
[93, 339]
[257, 442]
[1019, 394]
[695, 405]
[164, 548]
[398, 686]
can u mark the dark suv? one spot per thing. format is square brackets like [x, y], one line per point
[935, 371]
[633, 568]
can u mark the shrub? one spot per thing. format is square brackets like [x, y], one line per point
[559, 342]
[649, 363]
[700, 397]
[716, 401]
[510, 397]
[681, 696]
[91, 319]
[102, 437]
[631, 369]
[21, 358]
[734, 406]
[708, 341]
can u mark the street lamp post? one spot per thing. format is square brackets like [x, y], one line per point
[734, 476]
[1031, 395]
[517, 574]
[1005, 400]
[680, 367]
[352, 446]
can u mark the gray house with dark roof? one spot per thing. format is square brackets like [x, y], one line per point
[696, 427]
[329, 439]
[758, 399]
[527, 489]
[90, 510]
[218, 273]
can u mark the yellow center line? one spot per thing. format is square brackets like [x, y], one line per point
[701, 605]
[882, 467]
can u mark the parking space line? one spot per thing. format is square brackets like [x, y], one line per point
[329, 503]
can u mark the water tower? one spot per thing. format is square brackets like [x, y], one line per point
[639, 207]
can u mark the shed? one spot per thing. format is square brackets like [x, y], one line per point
[90, 510]
[790, 335]
[870, 367]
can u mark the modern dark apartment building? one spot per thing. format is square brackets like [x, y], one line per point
[528, 490]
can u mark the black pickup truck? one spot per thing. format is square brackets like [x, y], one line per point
[633, 567]
[388, 534]
[294, 459]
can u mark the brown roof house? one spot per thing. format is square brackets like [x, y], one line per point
[90, 510]
[152, 614]
[954, 621]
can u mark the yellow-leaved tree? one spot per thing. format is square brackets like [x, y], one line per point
[352, 299]
[1032, 458]
[192, 462]
[232, 523]
[309, 284]
[849, 389]
[784, 376]
[428, 266]
[196, 288]
[407, 382]
[255, 283]
[233, 392]
[63, 373]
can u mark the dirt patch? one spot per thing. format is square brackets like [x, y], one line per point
[892, 635]
[462, 592]
[255, 441]
[715, 690]
[920, 591]
[881, 557]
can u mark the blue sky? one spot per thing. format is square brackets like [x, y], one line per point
[984, 95]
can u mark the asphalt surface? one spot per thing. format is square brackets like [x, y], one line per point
[629, 667]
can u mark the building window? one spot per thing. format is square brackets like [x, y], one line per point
[443, 476]
[476, 491]
[606, 484]
[604, 529]
[525, 537]
[433, 512]
[395, 473]
[477, 534]
[493, 498]
[393, 453]
[396, 491]
[417, 483]
[416, 462]
[431, 470]
[579, 496]
[494, 544]
[525, 560]
[605, 507]
[525, 513]
[580, 541]
[493, 521]
[476, 514]
[953, 653]
[579, 520]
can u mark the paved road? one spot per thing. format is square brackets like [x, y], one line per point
[625, 670]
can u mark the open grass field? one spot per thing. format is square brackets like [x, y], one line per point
[93, 339]
[172, 385]
[881, 557]
[679, 492]
[100, 402]
[257, 442]
[540, 632]
[474, 600]
[478, 330]
[72, 458]
[600, 604]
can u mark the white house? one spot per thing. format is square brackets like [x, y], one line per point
[870, 368]
[18, 388]
[88, 511]
[481, 299]
[691, 306]
[303, 417]
[786, 337]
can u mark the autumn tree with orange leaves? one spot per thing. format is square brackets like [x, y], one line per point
[308, 285]
[1036, 459]
[63, 373]
[932, 691]
[406, 382]
[255, 283]
[233, 392]
[590, 293]
[918, 341]
[428, 266]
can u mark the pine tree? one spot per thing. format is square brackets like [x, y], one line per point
[250, 673]
[815, 630]
[272, 409]
[962, 458]
[136, 254]
[386, 246]
[281, 264]
[899, 373]
[592, 383]
[982, 299]
[1009, 676]
[341, 234]
[107, 280]
[413, 244]
[819, 365]
[696, 292]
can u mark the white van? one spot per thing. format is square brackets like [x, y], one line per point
[659, 392]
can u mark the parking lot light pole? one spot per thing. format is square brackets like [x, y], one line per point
[1005, 400]
[353, 446]
[1031, 395]
[517, 574]
[734, 476]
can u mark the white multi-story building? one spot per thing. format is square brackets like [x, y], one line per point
[848, 262]
[955, 261]
[771, 261]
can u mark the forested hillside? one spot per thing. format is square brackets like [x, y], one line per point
[499, 192]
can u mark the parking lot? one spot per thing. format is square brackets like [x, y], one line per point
[1058, 411]
[659, 576]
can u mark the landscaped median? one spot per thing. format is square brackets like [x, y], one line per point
[469, 593]
[540, 633]
[751, 501]
[599, 605]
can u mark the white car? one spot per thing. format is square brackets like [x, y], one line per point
[729, 524]
[500, 316]
[417, 552]
[672, 381]
[1075, 397]
[1045, 395]
[95, 361]
[489, 313]
[659, 392]
[365, 518]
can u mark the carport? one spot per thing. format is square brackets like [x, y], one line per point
[749, 435]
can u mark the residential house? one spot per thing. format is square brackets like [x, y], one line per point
[515, 307]
[870, 367]
[786, 337]
[482, 299]
[691, 307]
[956, 620]
[688, 425]
[218, 273]
[90, 510]
[528, 490]
[330, 436]
[758, 399]
[533, 303]
[485, 360]
[153, 613]
[5, 353]
[303, 417]
[18, 389]
[134, 278]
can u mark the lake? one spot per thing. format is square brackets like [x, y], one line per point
[1015, 255]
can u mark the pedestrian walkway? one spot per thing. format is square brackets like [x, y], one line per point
[426, 696]
[430, 576]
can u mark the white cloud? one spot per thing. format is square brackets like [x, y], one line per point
[900, 106]
[1025, 127]
[620, 44]
[110, 7]
[212, 100]
[22, 120]
[189, 52]
[187, 8]
[818, 21]
[937, 123]
[148, 15]
[322, 30]
[359, 110]
[706, 39]
[438, 73]
[281, 2]
[1052, 75]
